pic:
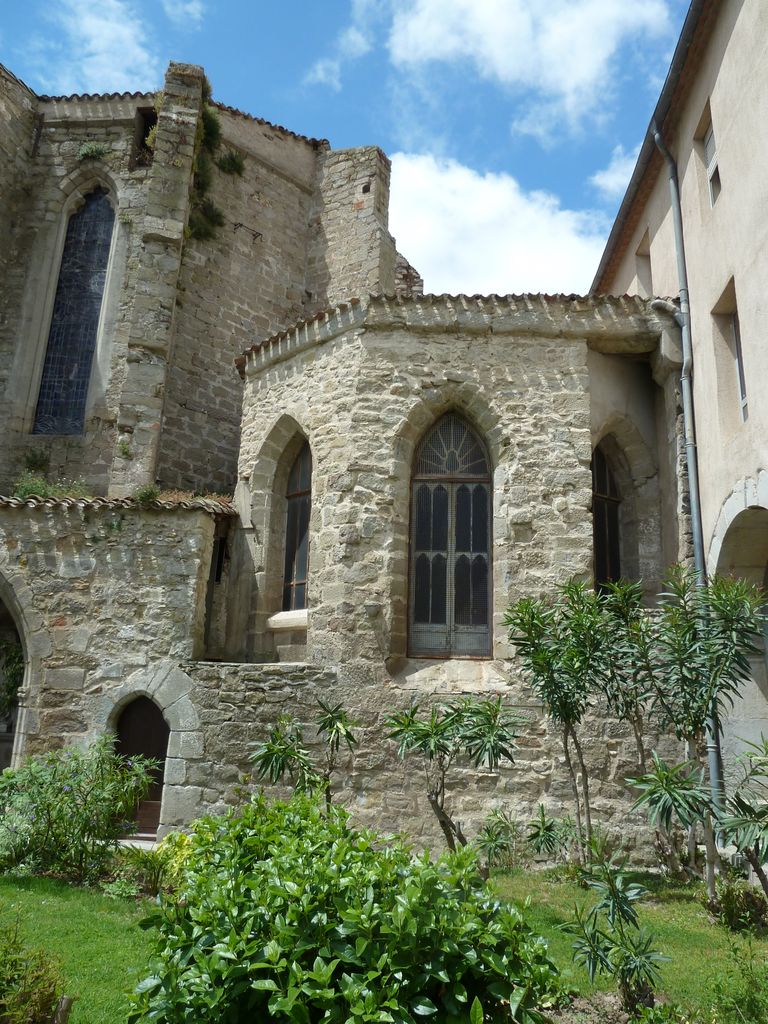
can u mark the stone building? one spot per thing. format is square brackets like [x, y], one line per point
[386, 474]
[711, 118]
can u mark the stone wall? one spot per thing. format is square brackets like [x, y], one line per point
[55, 180]
[238, 705]
[351, 252]
[249, 279]
[99, 590]
[17, 134]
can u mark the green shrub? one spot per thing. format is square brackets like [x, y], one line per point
[33, 485]
[30, 981]
[290, 915]
[739, 905]
[231, 162]
[148, 870]
[64, 811]
[92, 151]
[146, 494]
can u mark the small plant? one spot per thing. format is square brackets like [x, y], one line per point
[204, 218]
[609, 940]
[549, 837]
[120, 889]
[148, 870]
[92, 151]
[64, 811]
[501, 841]
[740, 993]
[482, 730]
[37, 461]
[32, 485]
[231, 162]
[31, 984]
[284, 752]
[146, 495]
[124, 450]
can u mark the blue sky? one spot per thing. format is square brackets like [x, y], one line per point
[512, 124]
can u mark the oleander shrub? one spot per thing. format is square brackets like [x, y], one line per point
[289, 914]
[63, 812]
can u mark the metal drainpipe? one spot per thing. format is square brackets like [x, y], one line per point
[683, 319]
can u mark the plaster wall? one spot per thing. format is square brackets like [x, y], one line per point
[725, 242]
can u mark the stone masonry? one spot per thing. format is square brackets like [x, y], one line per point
[303, 292]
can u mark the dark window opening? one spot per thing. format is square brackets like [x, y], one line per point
[299, 498]
[606, 503]
[75, 320]
[450, 544]
[144, 126]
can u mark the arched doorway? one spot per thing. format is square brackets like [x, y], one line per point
[141, 729]
[744, 553]
[11, 677]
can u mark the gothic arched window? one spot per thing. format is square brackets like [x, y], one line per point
[606, 502]
[450, 591]
[298, 500]
[75, 319]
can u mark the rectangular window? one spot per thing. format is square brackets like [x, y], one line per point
[729, 357]
[736, 344]
[706, 136]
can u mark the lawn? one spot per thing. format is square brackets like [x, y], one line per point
[103, 951]
[697, 946]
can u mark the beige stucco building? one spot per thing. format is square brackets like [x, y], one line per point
[712, 117]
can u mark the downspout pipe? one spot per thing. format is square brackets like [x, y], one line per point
[683, 319]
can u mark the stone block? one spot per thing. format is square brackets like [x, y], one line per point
[65, 678]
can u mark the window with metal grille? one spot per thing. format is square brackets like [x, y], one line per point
[298, 500]
[450, 573]
[606, 502]
[75, 320]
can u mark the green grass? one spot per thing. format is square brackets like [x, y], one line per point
[103, 951]
[697, 946]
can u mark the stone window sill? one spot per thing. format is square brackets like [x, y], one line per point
[288, 620]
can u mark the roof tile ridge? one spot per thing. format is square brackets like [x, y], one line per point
[269, 124]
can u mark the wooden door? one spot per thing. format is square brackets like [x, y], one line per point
[141, 729]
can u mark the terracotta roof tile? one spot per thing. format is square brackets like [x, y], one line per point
[210, 505]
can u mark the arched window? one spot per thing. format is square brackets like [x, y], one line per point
[450, 592]
[606, 536]
[75, 320]
[298, 501]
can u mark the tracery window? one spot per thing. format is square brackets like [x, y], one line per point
[449, 612]
[606, 509]
[298, 501]
[75, 320]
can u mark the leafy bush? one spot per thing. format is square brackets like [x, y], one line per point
[501, 841]
[290, 915]
[146, 494]
[92, 151]
[739, 905]
[64, 811]
[30, 981]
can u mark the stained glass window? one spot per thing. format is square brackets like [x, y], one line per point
[450, 543]
[606, 502]
[75, 319]
[299, 499]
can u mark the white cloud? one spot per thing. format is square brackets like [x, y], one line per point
[562, 51]
[185, 13]
[612, 180]
[353, 42]
[100, 48]
[481, 233]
